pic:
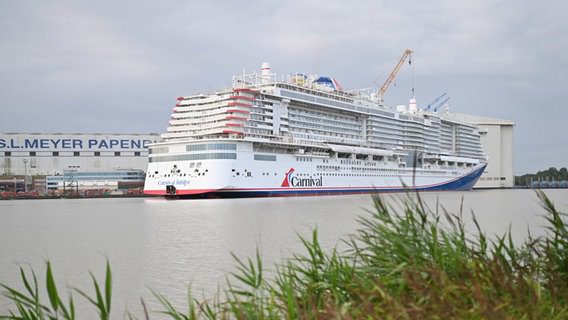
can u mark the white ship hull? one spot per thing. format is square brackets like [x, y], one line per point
[238, 173]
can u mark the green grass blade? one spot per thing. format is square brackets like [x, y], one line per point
[71, 308]
[86, 296]
[108, 287]
[26, 282]
[100, 302]
[51, 288]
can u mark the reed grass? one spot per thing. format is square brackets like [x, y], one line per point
[406, 261]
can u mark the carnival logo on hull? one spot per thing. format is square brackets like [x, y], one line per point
[290, 180]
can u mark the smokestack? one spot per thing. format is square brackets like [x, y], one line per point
[265, 72]
[412, 106]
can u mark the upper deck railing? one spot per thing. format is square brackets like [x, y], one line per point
[301, 82]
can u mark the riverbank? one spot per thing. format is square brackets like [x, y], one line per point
[37, 196]
[405, 261]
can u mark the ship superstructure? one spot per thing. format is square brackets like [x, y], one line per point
[304, 134]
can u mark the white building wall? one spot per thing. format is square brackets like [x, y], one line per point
[497, 141]
[507, 155]
[51, 153]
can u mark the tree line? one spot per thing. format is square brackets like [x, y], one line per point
[551, 174]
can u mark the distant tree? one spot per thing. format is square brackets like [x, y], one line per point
[550, 174]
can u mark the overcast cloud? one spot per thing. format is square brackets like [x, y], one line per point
[117, 66]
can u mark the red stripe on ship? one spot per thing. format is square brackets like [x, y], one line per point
[233, 125]
[232, 132]
[239, 104]
[241, 97]
[246, 90]
[179, 192]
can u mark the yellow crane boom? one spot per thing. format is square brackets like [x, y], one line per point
[407, 54]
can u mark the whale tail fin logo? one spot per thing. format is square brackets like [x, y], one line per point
[286, 182]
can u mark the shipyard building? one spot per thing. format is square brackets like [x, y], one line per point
[497, 140]
[105, 159]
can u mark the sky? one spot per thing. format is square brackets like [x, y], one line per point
[117, 66]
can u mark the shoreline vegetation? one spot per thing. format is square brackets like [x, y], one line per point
[406, 261]
[560, 176]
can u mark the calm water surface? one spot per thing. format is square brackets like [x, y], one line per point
[168, 245]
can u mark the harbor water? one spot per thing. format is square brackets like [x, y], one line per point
[169, 246]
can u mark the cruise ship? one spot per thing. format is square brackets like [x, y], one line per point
[299, 134]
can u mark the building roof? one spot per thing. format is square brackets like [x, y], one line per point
[474, 119]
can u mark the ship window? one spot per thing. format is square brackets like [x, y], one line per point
[199, 156]
[76, 153]
[32, 153]
[191, 165]
[55, 153]
[211, 146]
[97, 153]
[117, 153]
[158, 150]
[8, 153]
[264, 157]
[137, 153]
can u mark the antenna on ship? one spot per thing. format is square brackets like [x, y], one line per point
[412, 105]
[410, 63]
[407, 54]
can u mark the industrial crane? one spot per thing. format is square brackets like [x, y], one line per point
[437, 102]
[407, 54]
[441, 104]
